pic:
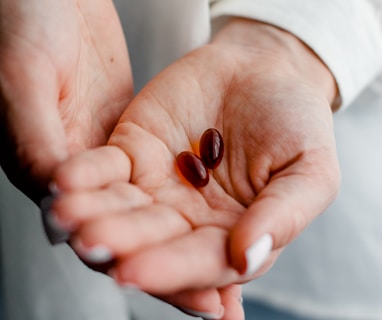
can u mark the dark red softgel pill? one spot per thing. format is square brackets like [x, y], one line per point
[193, 169]
[211, 148]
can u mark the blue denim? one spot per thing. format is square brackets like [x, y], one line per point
[258, 311]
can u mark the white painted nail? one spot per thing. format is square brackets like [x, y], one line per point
[203, 315]
[95, 254]
[53, 188]
[130, 289]
[258, 253]
[46, 203]
[53, 229]
[99, 254]
[59, 224]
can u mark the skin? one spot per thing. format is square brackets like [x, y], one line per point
[269, 96]
[65, 80]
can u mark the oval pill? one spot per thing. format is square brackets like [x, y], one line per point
[193, 169]
[211, 148]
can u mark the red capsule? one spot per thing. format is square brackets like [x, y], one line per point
[193, 169]
[211, 148]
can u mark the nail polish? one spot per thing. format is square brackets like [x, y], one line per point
[94, 254]
[258, 253]
[202, 314]
[53, 188]
[128, 288]
[54, 232]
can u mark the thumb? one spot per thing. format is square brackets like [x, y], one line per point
[32, 134]
[277, 215]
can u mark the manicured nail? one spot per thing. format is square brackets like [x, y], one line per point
[53, 188]
[203, 315]
[46, 203]
[59, 224]
[128, 288]
[54, 231]
[258, 253]
[95, 254]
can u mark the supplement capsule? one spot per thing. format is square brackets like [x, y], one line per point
[193, 169]
[211, 148]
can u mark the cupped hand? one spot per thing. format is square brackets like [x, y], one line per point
[269, 96]
[65, 80]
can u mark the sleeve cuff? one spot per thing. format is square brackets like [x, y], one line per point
[346, 35]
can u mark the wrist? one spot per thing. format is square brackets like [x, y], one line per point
[284, 49]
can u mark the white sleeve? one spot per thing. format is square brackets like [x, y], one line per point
[345, 34]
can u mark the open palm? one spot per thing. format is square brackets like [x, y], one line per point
[65, 80]
[279, 170]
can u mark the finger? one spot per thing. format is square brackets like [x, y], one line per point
[153, 163]
[279, 213]
[76, 208]
[126, 232]
[34, 136]
[204, 303]
[263, 269]
[233, 302]
[155, 171]
[224, 303]
[92, 169]
[193, 261]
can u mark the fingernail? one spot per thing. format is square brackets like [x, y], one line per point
[59, 224]
[258, 253]
[46, 203]
[55, 233]
[203, 315]
[53, 188]
[128, 288]
[95, 254]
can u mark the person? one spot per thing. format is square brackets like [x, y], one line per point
[79, 84]
[329, 142]
[146, 142]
